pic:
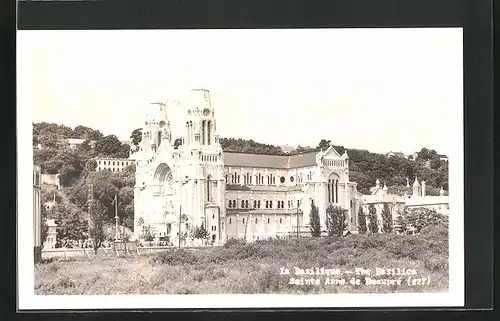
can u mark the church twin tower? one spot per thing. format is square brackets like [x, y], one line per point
[184, 181]
[200, 125]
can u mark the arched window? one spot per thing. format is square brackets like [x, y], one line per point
[246, 204]
[243, 220]
[209, 138]
[258, 204]
[256, 220]
[203, 131]
[230, 220]
[242, 204]
[270, 204]
[268, 220]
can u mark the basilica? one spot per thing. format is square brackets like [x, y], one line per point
[233, 195]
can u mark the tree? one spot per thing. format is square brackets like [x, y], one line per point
[72, 223]
[45, 227]
[401, 221]
[314, 221]
[372, 219]
[386, 219]
[201, 233]
[419, 218]
[147, 233]
[361, 221]
[335, 220]
[324, 144]
[435, 162]
[136, 137]
[399, 190]
[97, 215]
[108, 146]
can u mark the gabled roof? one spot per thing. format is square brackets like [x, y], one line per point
[233, 159]
[331, 151]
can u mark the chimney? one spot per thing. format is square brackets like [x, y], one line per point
[423, 188]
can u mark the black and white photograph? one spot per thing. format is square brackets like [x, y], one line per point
[240, 168]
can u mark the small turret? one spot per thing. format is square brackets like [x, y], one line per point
[423, 188]
[377, 183]
[416, 187]
[441, 192]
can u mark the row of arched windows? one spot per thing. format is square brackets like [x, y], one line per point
[256, 220]
[256, 204]
[333, 190]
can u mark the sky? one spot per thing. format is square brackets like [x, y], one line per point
[377, 89]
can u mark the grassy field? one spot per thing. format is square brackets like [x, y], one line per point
[256, 268]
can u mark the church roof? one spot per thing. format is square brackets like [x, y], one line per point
[427, 200]
[233, 159]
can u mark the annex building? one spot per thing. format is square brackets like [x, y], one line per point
[233, 195]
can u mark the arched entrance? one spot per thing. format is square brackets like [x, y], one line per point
[163, 179]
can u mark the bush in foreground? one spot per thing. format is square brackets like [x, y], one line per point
[240, 267]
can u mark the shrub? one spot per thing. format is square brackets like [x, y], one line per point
[361, 221]
[335, 220]
[66, 282]
[234, 242]
[387, 219]
[372, 217]
[174, 257]
[314, 221]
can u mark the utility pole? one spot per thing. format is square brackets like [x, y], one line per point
[90, 199]
[180, 216]
[246, 225]
[298, 220]
[116, 216]
[180, 207]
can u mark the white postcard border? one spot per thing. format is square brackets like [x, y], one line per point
[27, 300]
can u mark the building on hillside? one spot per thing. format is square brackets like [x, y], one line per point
[443, 157]
[287, 149]
[397, 154]
[397, 203]
[37, 213]
[51, 239]
[75, 142]
[233, 195]
[378, 197]
[51, 179]
[113, 164]
[440, 204]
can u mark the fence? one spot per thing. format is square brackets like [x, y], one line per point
[66, 253]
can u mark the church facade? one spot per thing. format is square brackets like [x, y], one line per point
[233, 195]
